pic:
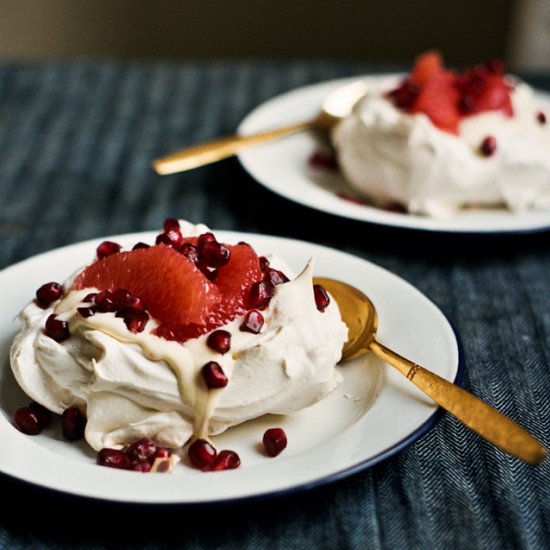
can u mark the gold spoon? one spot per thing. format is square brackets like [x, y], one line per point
[359, 314]
[336, 105]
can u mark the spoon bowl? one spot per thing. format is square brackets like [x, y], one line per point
[336, 106]
[359, 314]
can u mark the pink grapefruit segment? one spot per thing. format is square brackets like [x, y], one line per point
[447, 97]
[235, 280]
[174, 290]
[425, 66]
[438, 99]
[171, 287]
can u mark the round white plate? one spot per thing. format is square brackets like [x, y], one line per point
[282, 166]
[374, 414]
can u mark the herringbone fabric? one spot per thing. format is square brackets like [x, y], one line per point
[76, 142]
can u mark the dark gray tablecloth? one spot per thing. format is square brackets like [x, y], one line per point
[76, 141]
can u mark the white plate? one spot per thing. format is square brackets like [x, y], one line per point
[373, 415]
[282, 166]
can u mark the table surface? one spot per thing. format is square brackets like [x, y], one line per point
[76, 142]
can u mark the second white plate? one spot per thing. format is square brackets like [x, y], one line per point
[282, 166]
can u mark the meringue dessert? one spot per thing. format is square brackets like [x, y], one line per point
[178, 341]
[437, 141]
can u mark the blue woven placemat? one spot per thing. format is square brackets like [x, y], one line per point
[76, 142]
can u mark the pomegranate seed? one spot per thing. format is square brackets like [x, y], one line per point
[396, 207]
[162, 452]
[27, 420]
[352, 199]
[141, 450]
[205, 238]
[495, 66]
[107, 248]
[136, 303]
[275, 277]
[86, 311]
[213, 375]
[170, 238]
[260, 295]
[73, 423]
[253, 322]
[116, 300]
[211, 273]
[219, 340]
[44, 415]
[48, 293]
[139, 245]
[201, 453]
[90, 298]
[326, 161]
[488, 146]
[134, 319]
[467, 104]
[171, 224]
[121, 298]
[274, 441]
[541, 117]
[56, 329]
[113, 458]
[322, 299]
[264, 263]
[225, 460]
[143, 467]
[189, 251]
[104, 302]
[404, 95]
[214, 254]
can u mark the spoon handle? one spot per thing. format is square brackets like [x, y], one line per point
[472, 411]
[218, 149]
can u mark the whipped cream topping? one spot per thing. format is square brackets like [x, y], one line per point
[391, 156]
[139, 385]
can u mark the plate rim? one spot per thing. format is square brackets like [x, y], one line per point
[336, 475]
[374, 215]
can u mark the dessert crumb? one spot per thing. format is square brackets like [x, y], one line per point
[354, 399]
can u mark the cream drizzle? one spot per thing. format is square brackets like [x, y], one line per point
[185, 360]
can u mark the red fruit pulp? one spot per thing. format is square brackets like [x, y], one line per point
[235, 279]
[438, 98]
[446, 97]
[174, 290]
[426, 66]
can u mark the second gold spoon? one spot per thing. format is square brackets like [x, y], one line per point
[359, 314]
[336, 105]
